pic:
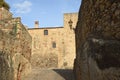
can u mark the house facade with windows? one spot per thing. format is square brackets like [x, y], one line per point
[54, 47]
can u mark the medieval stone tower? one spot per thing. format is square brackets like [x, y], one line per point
[54, 47]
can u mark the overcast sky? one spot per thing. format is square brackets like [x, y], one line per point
[49, 13]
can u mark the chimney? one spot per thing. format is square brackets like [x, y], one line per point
[36, 24]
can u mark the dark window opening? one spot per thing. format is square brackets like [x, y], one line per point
[45, 32]
[54, 45]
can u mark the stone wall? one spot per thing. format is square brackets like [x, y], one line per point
[44, 55]
[5, 14]
[69, 39]
[15, 49]
[98, 40]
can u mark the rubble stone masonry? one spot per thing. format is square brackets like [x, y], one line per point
[98, 40]
[15, 48]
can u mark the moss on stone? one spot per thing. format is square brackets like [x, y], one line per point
[4, 4]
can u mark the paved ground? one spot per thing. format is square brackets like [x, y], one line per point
[50, 74]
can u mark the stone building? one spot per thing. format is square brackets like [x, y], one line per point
[54, 47]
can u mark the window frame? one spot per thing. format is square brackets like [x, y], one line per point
[45, 32]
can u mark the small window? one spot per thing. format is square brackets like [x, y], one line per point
[45, 32]
[54, 45]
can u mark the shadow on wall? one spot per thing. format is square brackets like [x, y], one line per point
[67, 74]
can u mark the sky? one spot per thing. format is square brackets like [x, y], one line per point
[49, 13]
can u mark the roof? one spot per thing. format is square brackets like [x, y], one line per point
[45, 28]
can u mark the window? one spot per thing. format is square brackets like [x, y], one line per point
[45, 32]
[54, 45]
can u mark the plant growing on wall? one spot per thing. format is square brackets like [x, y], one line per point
[4, 4]
[15, 29]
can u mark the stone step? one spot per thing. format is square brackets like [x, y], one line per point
[50, 74]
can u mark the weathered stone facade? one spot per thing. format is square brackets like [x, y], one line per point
[15, 47]
[4, 14]
[98, 40]
[57, 48]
